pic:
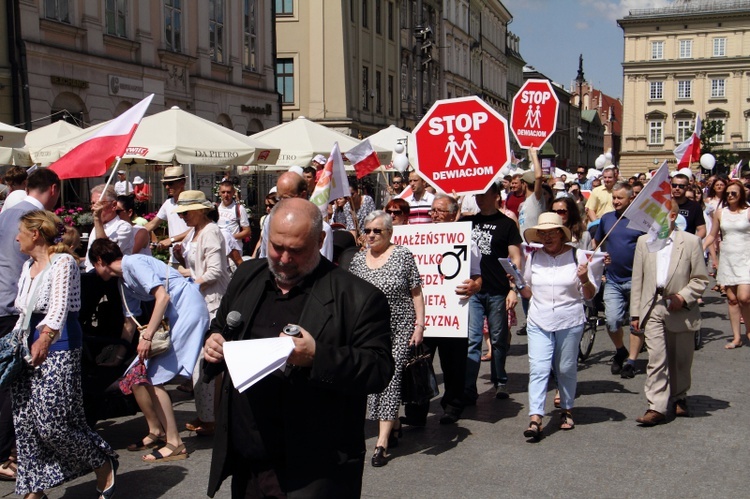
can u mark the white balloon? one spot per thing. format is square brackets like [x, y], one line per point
[600, 162]
[399, 149]
[708, 161]
[401, 162]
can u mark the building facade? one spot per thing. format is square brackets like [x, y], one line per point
[338, 62]
[609, 110]
[689, 59]
[89, 61]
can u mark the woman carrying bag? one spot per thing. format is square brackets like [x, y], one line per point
[54, 442]
[179, 301]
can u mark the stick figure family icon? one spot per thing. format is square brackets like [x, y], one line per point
[453, 148]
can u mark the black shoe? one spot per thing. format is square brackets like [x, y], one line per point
[380, 458]
[501, 392]
[616, 367]
[411, 421]
[449, 418]
[627, 371]
[521, 331]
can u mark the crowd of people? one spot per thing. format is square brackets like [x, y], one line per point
[358, 304]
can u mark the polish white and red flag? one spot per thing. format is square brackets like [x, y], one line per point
[92, 157]
[363, 158]
[333, 183]
[690, 151]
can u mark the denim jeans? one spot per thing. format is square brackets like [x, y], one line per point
[616, 304]
[560, 346]
[492, 306]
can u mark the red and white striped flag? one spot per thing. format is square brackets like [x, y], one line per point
[92, 157]
[363, 158]
[690, 151]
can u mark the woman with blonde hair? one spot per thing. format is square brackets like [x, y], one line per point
[54, 442]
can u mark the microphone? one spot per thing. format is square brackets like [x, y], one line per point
[233, 323]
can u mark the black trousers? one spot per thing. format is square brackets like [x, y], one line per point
[7, 433]
[453, 352]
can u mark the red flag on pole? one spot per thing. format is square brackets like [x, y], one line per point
[363, 158]
[92, 157]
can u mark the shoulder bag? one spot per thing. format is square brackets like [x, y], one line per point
[161, 341]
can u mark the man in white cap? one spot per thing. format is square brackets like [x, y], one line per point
[174, 182]
[122, 186]
[141, 190]
[319, 162]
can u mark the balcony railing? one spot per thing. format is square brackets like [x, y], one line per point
[741, 146]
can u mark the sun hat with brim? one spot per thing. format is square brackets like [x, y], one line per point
[172, 173]
[137, 181]
[547, 221]
[192, 200]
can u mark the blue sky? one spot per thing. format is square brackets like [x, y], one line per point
[554, 32]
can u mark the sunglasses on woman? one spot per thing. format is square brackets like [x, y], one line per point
[376, 231]
[394, 212]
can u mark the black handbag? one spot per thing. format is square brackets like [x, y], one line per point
[418, 383]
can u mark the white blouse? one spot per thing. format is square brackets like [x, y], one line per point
[556, 292]
[60, 291]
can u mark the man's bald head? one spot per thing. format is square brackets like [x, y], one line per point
[291, 185]
[296, 211]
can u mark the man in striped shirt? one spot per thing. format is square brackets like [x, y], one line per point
[420, 200]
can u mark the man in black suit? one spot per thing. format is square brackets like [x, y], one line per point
[300, 433]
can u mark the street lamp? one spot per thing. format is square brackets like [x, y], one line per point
[579, 80]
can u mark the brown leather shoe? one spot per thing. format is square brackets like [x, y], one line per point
[651, 418]
[681, 409]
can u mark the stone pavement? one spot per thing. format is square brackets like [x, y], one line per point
[485, 455]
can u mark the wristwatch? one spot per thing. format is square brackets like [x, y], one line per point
[171, 239]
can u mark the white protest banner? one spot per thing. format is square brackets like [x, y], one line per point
[443, 255]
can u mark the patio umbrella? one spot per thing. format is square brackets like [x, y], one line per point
[388, 138]
[12, 151]
[175, 135]
[300, 140]
[44, 143]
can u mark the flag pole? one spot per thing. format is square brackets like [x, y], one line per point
[111, 175]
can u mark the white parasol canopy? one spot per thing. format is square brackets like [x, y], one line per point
[12, 151]
[176, 136]
[300, 140]
[388, 138]
[44, 143]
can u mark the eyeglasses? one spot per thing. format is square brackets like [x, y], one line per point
[269, 205]
[561, 212]
[679, 186]
[168, 184]
[396, 181]
[376, 231]
[581, 173]
[547, 233]
[733, 193]
[437, 211]
[119, 211]
[397, 213]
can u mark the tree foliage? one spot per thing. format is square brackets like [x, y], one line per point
[725, 158]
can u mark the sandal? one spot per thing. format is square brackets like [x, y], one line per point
[557, 399]
[485, 358]
[9, 471]
[177, 453]
[731, 345]
[566, 421]
[534, 430]
[154, 441]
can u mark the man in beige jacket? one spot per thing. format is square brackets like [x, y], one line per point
[664, 303]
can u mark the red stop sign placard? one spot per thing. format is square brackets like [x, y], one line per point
[461, 144]
[533, 117]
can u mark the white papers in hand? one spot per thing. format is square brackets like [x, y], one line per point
[249, 361]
